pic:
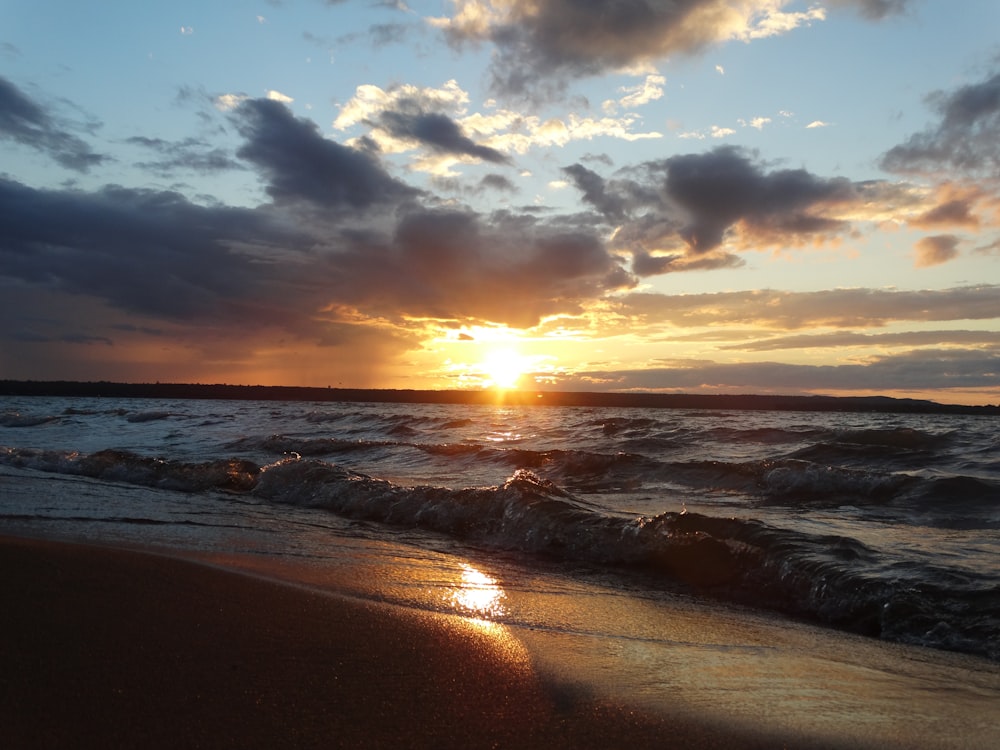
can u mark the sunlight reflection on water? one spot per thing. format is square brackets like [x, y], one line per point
[478, 595]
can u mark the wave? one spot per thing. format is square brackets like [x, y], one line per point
[830, 579]
[903, 447]
[232, 474]
[16, 419]
[905, 438]
[767, 435]
[387, 421]
[147, 416]
[285, 445]
[791, 481]
[620, 425]
[825, 578]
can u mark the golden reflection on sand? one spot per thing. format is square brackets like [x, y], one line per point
[478, 599]
[478, 595]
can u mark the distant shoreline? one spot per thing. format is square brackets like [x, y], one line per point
[487, 397]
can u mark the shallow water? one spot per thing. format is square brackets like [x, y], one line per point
[880, 524]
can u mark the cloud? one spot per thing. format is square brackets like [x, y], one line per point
[147, 252]
[383, 34]
[324, 275]
[853, 339]
[835, 308]
[917, 370]
[935, 250]
[673, 213]
[757, 123]
[722, 187]
[966, 138]
[956, 208]
[611, 203]
[645, 263]
[876, 9]
[405, 118]
[543, 43]
[457, 265]
[438, 132]
[24, 121]
[496, 182]
[301, 165]
[277, 96]
[227, 102]
[369, 101]
[648, 91]
[817, 124]
[189, 154]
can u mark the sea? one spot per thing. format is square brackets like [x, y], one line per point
[650, 550]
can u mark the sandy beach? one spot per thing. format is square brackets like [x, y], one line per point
[104, 647]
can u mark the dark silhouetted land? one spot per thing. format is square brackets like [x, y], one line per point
[487, 396]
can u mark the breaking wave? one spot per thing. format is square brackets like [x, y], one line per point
[830, 579]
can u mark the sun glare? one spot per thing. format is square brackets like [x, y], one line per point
[478, 594]
[504, 368]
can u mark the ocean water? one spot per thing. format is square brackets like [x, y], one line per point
[619, 527]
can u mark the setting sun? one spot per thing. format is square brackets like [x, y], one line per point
[504, 368]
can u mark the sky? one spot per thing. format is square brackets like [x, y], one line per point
[696, 196]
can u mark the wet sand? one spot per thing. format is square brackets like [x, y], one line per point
[104, 647]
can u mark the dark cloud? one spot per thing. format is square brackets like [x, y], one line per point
[24, 121]
[966, 138]
[552, 40]
[160, 257]
[595, 192]
[541, 44]
[301, 165]
[724, 186]
[838, 308]
[454, 265]
[189, 154]
[436, 131]
[144, 251]
[497, 182]
[677, 213]
[876, 9]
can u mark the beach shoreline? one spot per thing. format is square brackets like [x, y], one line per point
[110, 647]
